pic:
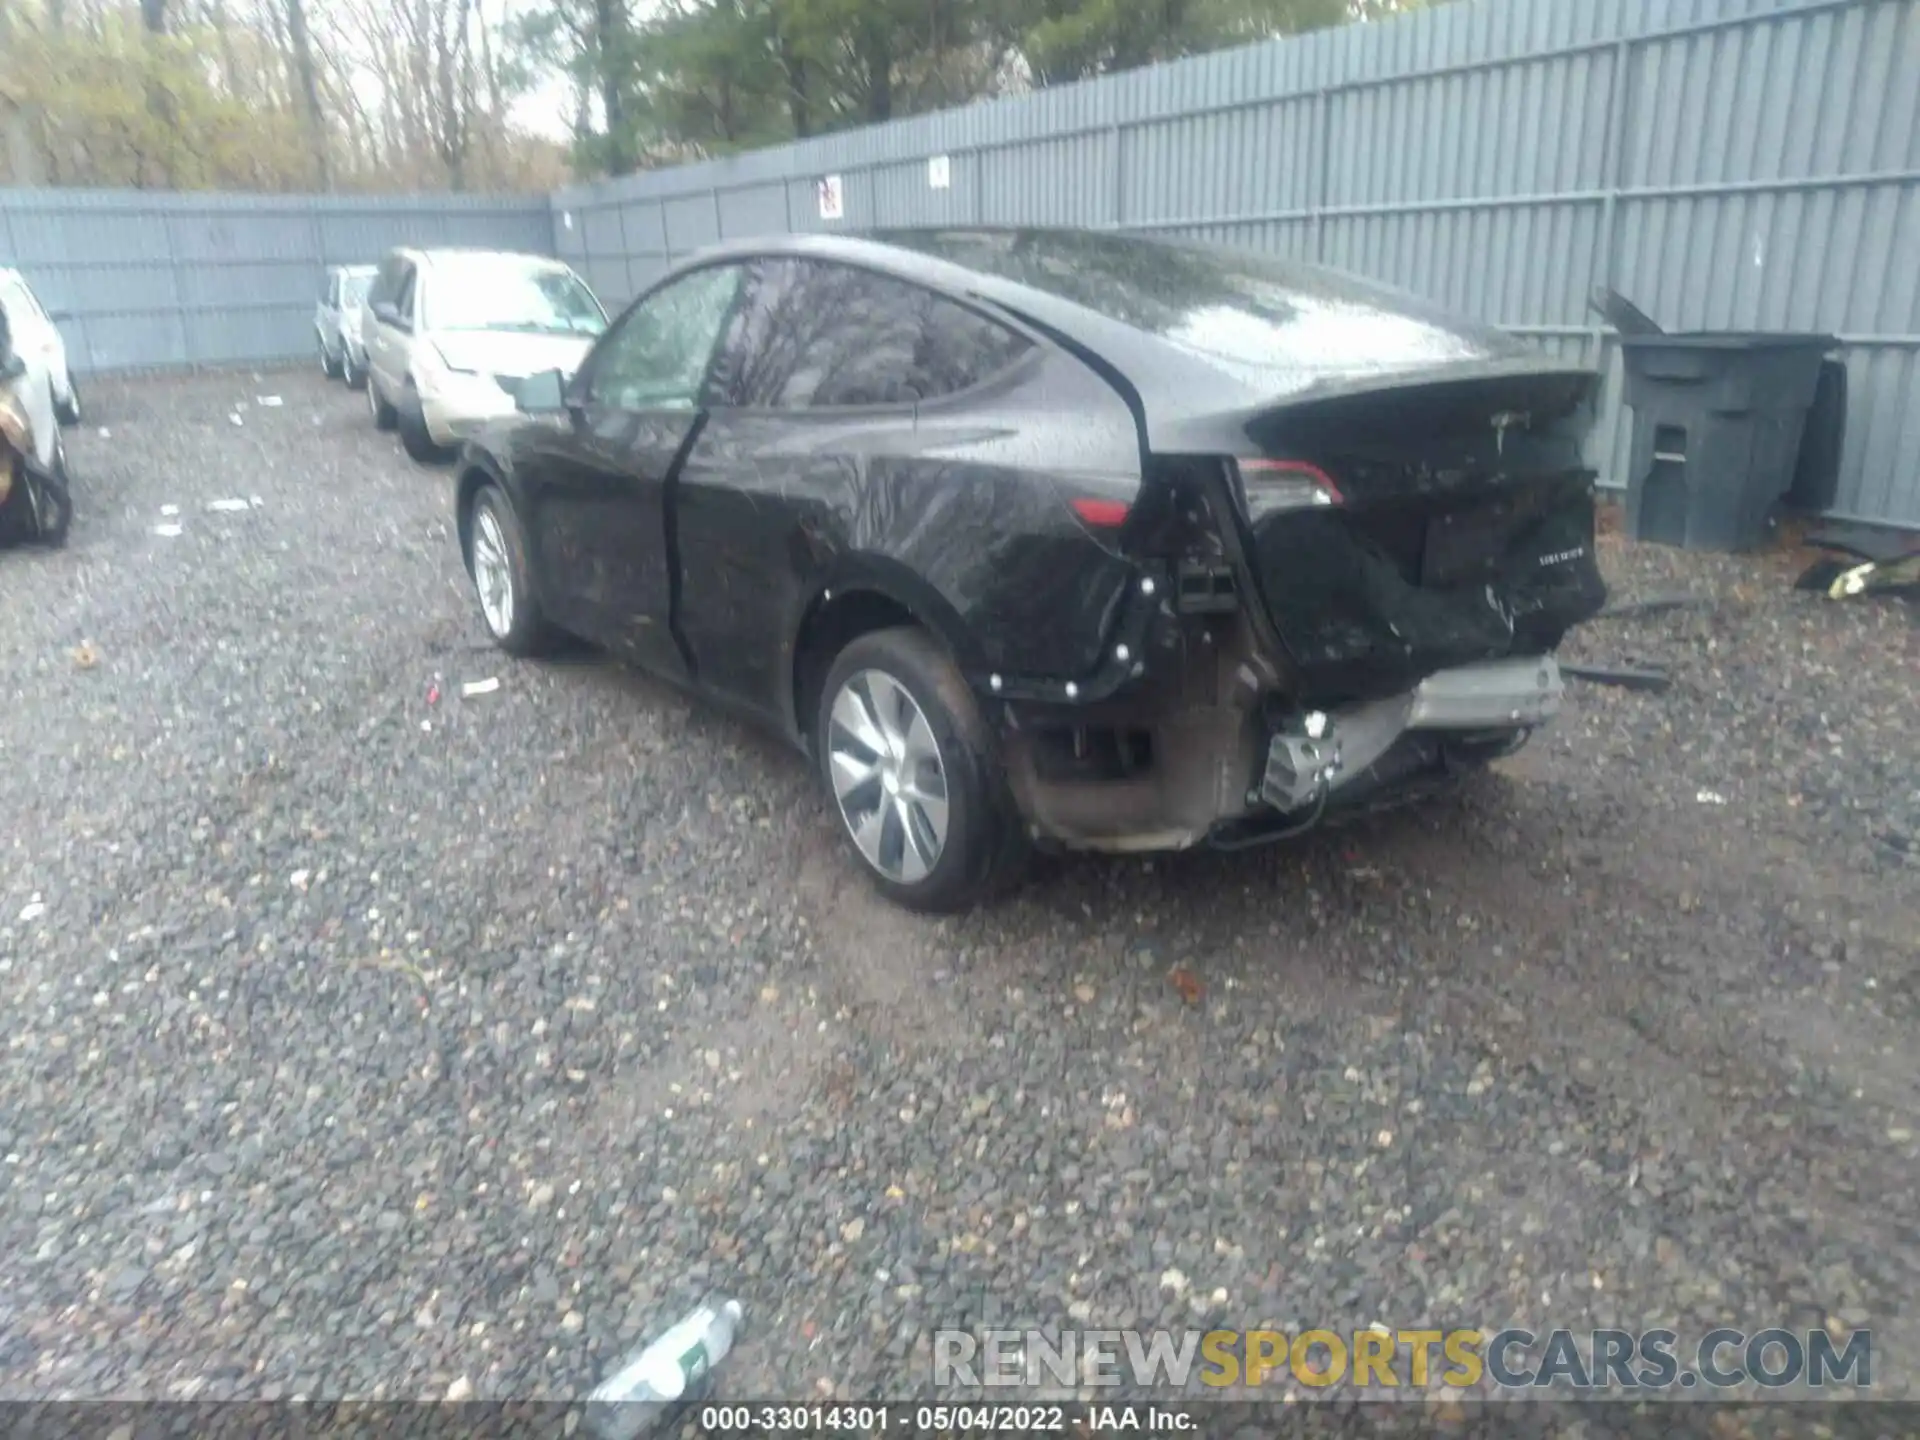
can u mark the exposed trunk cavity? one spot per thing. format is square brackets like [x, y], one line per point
[1464, 532]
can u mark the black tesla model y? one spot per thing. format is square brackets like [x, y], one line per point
[1055, 538]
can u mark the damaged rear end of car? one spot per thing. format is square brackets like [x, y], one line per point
[1340, 600]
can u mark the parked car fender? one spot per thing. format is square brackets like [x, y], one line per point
[477, 467]
[866, 590]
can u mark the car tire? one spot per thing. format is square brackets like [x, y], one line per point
[355, 375]
[497, 557]
[329, 365]
[385, 417]
[56, 501]
[36, 509]
[416, 439]
[67, 411]
[897, 728]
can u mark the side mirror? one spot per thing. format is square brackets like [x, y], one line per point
[385, 312]
[542, 394]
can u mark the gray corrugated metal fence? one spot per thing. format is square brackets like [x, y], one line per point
[1745, 164]
[161, 279]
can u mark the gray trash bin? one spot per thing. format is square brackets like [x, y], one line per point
[1717, 423]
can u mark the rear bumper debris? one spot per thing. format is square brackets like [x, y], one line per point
[1208, 758]
[1328, 752]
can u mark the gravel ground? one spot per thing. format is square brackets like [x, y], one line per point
[362, 1046]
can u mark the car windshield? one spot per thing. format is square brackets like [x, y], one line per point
[353, 288]
[483, 294]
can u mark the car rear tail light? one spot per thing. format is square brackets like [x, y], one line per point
[1271, 486]
[1101, 514]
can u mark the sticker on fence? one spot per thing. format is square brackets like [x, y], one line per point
[939, 172]
[832, 204]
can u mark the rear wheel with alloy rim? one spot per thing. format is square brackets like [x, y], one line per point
[497, 561]
[911, 768]
[888, 777]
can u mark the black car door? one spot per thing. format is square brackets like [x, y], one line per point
[805, 450]
[596, 485]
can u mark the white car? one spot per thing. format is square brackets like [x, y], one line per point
[37, 339]
[450, 334]
[336, 322]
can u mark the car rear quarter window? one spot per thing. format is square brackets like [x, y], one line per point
[820, 335]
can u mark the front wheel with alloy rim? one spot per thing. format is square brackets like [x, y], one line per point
[497, 561]
[415, 438]
[354, 374]
[385, 417]
[911, 769]
[329, 365]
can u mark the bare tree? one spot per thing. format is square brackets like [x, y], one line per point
[303, 66]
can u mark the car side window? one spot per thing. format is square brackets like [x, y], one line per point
[383, 283]
[820, 334]
[657, 358]
[404, 301]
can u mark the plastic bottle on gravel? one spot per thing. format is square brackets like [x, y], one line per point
[651, 1383]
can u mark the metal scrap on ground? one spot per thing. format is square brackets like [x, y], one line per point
[1649, 681]
[1838, 580]
[1862, 560]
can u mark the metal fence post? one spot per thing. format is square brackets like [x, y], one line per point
[178, 300]
[1613, 164]
[317, 230]
[1322, 160]
[1607, 259]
